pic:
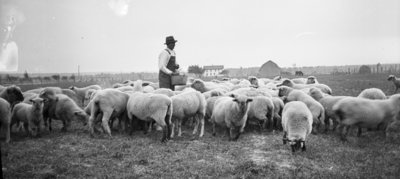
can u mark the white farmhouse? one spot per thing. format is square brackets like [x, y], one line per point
[213, 70]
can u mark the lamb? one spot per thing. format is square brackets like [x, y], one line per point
[61, 107]
[89, 95]
[5, 118]
[327, 101]
[315, 107]
[231, 112]
[29, 114]
[148, 107]
[396, 82]
[325, 88]
[372, 93]
[81, 92]
[366, 113]
[110, 103]
[262, 110]
[189, 104]
[297, 123]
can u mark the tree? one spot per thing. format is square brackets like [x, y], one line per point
[56, 77]
[72, 77]
[224, 72]
[26, 76]
[196, 70]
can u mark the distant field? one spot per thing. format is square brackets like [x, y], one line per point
[255, 155]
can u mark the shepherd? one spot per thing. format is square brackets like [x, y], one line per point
[167, 64]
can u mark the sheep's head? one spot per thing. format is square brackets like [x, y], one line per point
[253, 80]
[72, 87]
[81, 116]
[277, 78]
[286, 82]
[242, 101]
[47, 94]
[198, 85]
[297, 145]
[316, 93]
[311, 80]
[13, 94]
[37, 103]
[391, 78]
[284, 91]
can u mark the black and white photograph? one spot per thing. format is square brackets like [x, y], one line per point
[199, 89]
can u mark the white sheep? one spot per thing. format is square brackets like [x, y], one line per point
[297, 123]
[372, 93]
[5, 118]
[81, 92]
[164, 91]
[210, 106]
[327, 101]
[396, 82]
[317, 110]
[110, 103]
[204, 86]
[189, 104]
[214, 92]
[28, 96]
[231, 112]
[325, 88]
[261, 109]
[299, 80]
[149, 107]
[366, 113]
[250, 92]
[29, 114]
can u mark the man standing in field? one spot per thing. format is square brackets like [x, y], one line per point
[167, 64]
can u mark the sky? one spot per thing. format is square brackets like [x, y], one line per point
[128, 35]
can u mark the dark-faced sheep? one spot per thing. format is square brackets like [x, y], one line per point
[396, 82]
[5, 118]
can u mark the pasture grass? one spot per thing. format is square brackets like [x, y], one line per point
[74, 154]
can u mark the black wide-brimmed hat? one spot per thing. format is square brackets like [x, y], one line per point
[170, 39]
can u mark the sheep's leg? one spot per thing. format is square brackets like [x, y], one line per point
[304, 147]
[238, 134]
[231, 133]
[284, 139]
[49, 120]
[201, 127]
[173, 124]
[90, 124]
[104, 120]
[326, 124]
[6, 127]
[214, 133]
[359, 131]
[27, 130]
[196, 125]
[345, 131]
[179, 124]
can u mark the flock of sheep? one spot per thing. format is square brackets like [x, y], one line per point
[297, 106]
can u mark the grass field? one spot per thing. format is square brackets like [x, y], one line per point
[255, 155]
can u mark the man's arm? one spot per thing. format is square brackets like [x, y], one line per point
[163, 61]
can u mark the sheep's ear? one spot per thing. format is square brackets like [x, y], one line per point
[77, 113]
[56, 99]
[31, 100]
[249, 100]
[234, 99]
[72, 87]
[232, 95]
